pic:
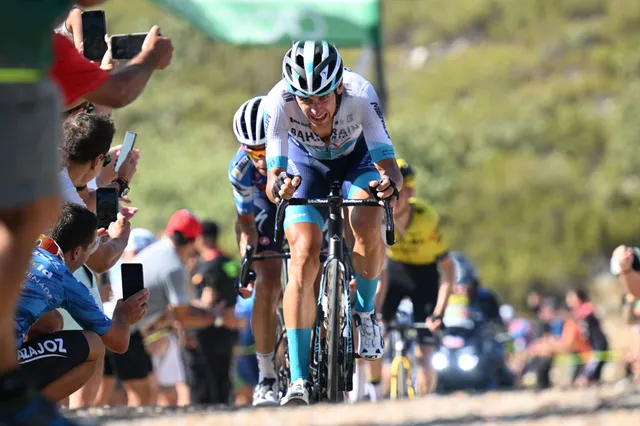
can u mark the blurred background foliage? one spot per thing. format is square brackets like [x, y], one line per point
[521, 117]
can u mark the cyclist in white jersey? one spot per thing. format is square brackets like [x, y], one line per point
[323, 124]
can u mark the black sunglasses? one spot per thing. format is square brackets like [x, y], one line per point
[87, 107]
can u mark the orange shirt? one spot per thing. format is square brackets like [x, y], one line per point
[571, 332]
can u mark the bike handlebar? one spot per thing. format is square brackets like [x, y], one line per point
[340, 202]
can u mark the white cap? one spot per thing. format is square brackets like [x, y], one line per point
[139, 238]
[507, 313]
[614, 265]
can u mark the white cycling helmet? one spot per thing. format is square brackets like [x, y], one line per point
[248, 122]
[312, 68]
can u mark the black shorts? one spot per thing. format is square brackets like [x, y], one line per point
[50, 357]
[264, 213]
[420, 284]
[134, 364]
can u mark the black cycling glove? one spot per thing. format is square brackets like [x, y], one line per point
[240, 284]
[280, 182]
[373, 190]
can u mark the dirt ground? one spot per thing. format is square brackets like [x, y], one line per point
[611, 405]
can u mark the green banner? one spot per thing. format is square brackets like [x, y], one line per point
[265, 22]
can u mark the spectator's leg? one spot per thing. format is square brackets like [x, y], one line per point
[108, 382]
[543, 372]
[219, 359]
[197, 376]
[87, 394]
[61, 363]
[135, 368]
[77, 377]
[29, 200]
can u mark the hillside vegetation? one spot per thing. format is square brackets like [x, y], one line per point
[523, 124]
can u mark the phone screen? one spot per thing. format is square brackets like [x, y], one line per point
[127, 145]
[127, 46]
[106, 206]
[94, 28]
[132, 279]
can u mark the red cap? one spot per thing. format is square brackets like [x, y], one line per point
[186, 223]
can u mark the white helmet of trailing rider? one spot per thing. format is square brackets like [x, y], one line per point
[248, 123]
[312, 68]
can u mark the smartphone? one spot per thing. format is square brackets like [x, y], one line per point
[106, 206]
[132, 279]
[94, 28]
[127, 145]
[126, 46]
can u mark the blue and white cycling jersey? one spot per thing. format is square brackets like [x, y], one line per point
[49, 285]
[247, 182]
[359, 114]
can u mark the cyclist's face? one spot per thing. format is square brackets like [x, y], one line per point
[319, 110]
[257, 156]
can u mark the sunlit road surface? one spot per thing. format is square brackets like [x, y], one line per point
[617, 405]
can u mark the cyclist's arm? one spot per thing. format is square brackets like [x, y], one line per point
[246, 232]
[376, 136]
[277, 133]
[240, 179]
[447, 275]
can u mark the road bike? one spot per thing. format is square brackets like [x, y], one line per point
[333, 356]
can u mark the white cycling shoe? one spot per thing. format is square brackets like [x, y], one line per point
[370, 341]
[265, 393]
[298, 393]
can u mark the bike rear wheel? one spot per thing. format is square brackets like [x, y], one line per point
[281, 357]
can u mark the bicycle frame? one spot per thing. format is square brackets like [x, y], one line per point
[401, 358]
[334, 286]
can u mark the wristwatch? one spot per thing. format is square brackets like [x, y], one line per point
[435, 318]
[124, 186]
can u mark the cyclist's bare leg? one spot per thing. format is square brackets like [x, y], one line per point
[264, 319]
[78, 376]
[427, 378]
[305, 241]
[19, 229]
[368, 249]
[368, 260]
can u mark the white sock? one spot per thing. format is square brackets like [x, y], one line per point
[359, 382]
[265, 366]
[375, 391]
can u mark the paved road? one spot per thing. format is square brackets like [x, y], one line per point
[610, 405]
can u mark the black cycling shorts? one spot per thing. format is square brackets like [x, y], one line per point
[50, 357]
[418, 282]
[134, 364]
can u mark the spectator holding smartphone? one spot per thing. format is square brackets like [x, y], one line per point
[86, 142]
[80, 79]
[63, 361]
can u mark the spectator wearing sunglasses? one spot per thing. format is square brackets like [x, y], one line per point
[86, 144]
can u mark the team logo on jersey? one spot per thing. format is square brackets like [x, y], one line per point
[378, 111]
[288, 97]
[241, 168]
[264, 241]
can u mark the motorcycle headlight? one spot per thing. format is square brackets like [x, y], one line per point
[467, 362]
[439, 361]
